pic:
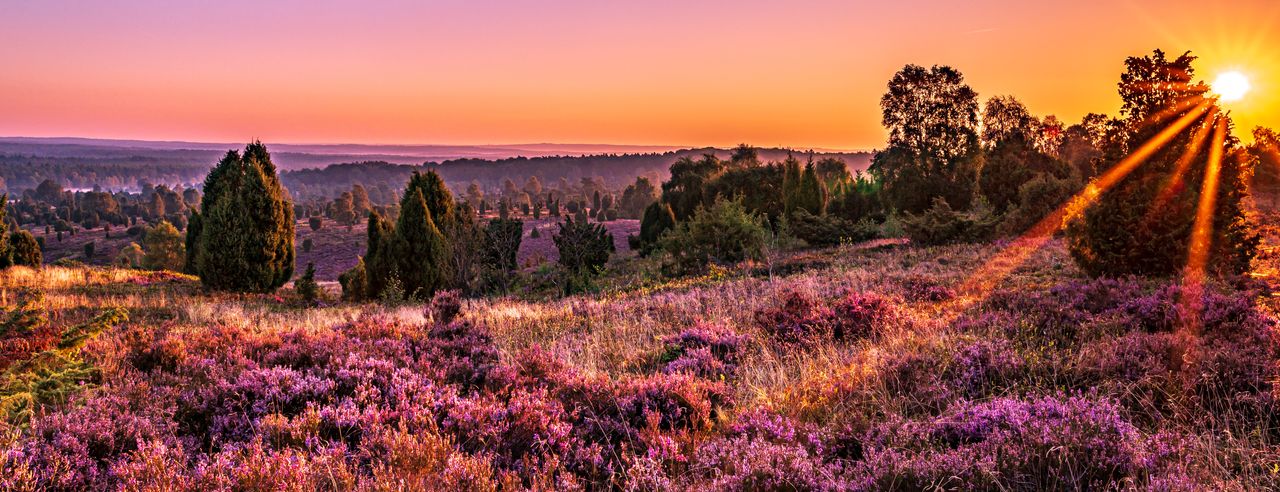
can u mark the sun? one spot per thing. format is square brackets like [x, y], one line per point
[1231, 86]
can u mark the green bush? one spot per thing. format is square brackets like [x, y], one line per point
[306, 287]
[830, 230]
[24, 249]
[1037, 198]
[164, 248]
[353, 283]
[130, 256]
[940, 224]
[726, 233]
[584, 249]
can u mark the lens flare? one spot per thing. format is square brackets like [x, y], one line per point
[988, 276]
[1231, 86]
[1202, 233]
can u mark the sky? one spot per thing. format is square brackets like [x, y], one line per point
[800, 74]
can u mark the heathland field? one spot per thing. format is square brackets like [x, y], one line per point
[865, 366]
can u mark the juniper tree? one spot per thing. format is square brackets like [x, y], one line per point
[379, 263]
[5, 248]
[1143, 225]
[24, 250]
[658, 218]
[811, 195]
[244, 237]
[791, 184]
[420, 249]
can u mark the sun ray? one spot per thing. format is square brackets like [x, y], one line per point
[1201, 241]
[1194, 147]
[985, 278]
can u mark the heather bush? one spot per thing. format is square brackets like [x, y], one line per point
[797, 319]
[859, 315]
[1050, 443]
[984, 366]
[704, 350]
[444, 307]
[921, 289]
[762, 451]
[802, 319]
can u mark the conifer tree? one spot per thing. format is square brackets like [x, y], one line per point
[420, 248]
[791, 177]
[378, 264]
[658, 218]
[243, 240]
[5, 252]
[811, 195]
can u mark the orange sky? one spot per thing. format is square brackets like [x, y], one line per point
[799, 74]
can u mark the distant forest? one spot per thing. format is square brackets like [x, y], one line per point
[614, 170]
[312, 176]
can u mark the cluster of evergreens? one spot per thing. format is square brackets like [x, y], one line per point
[242, 237]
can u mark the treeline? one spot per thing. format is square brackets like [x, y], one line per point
[956, 170]
[51, 206]
[437, 242]
[24, 171]
[612, 171]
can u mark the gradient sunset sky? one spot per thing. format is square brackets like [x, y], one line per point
[798, 74]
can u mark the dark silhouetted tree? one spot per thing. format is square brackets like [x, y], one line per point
[1143, 224]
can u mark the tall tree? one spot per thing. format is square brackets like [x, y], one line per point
[420, 249]
[932, 118]
[1005, 117]
[812, 195]
[379, 262]
[931, 112]
[245, 238]
[791, 184]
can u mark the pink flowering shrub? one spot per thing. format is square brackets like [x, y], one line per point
[801, 319]
[1050, 443]
[704, 350]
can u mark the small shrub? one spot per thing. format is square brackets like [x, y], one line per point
[307, 245]
[799, 319]
[724, 234]
[445, 306]
[353, 283]
[704, 350]
[306, 287]
[940, 224]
